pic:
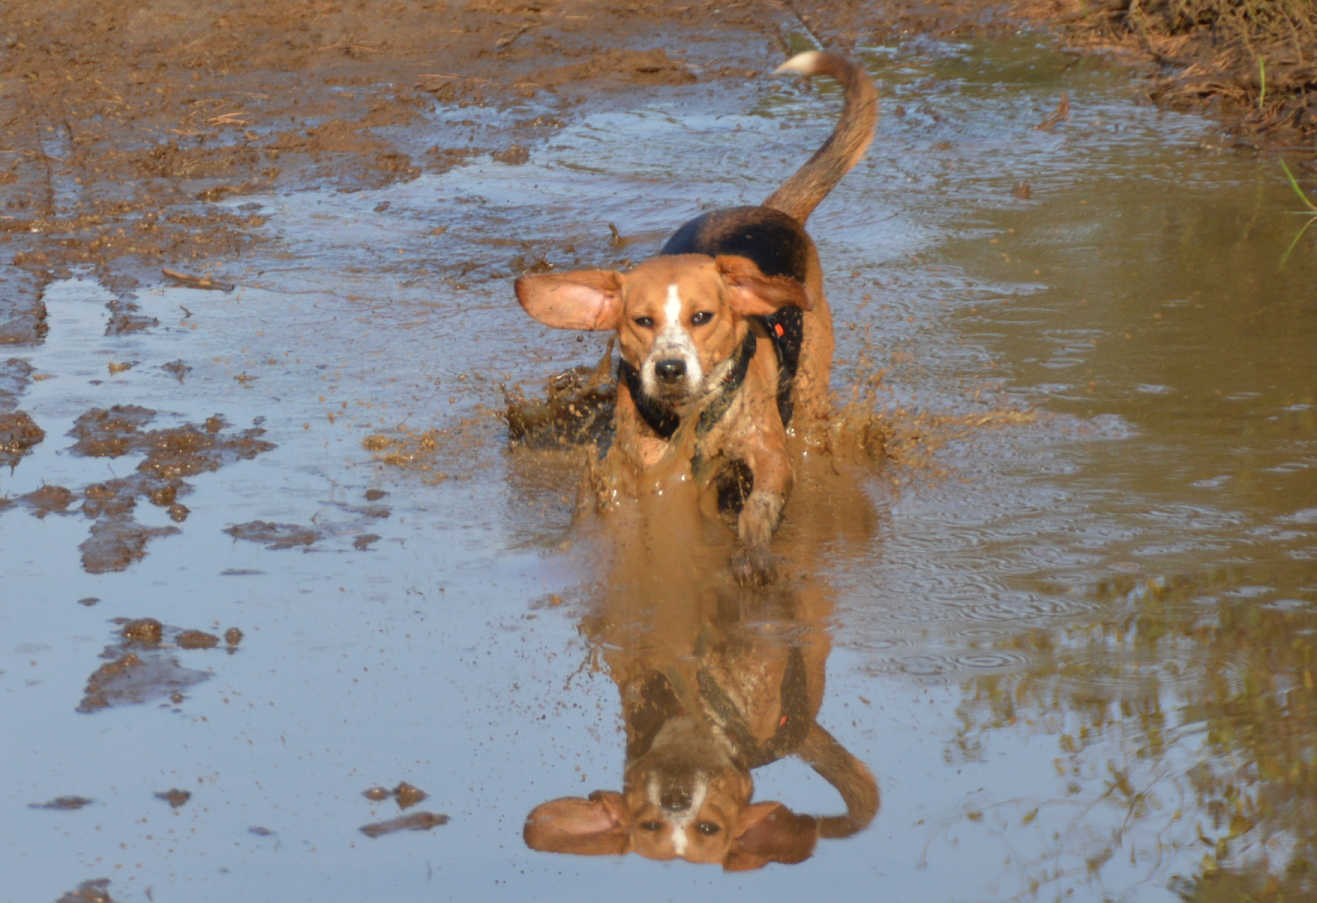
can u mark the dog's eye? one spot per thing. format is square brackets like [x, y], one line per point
[699, 318]
[643, 322]
[707, 828]
[650, 825]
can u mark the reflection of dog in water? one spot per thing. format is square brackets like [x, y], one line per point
[725, 335]
[714, 682]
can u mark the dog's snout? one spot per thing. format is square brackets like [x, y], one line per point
[675, 799]
[670, 369]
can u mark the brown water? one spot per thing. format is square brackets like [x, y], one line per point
[1069, 629]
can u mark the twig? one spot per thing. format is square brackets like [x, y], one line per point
[1061, 115]
[192, 281]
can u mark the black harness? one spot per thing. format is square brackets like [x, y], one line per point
[785, 329]
[791, 727]
[663, 420]
[651, 702]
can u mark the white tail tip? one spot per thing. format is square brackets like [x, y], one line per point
[800, 64]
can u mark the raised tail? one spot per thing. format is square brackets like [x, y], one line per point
[852, 778]
[801, 193]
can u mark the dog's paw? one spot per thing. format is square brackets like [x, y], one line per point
[754, 566]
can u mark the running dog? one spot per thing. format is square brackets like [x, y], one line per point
[726, 336]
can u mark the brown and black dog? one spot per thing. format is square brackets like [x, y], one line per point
[726, 336]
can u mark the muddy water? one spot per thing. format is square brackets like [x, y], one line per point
[1068, 626]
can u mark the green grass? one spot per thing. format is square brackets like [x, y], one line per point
[1311, 212]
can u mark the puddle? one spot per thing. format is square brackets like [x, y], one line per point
[1069, 629]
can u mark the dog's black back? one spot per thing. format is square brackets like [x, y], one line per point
[774, 241]
[779, 247]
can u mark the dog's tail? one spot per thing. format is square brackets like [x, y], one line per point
[845, 146]
[852, 778]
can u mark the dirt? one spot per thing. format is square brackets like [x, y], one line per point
[274, 536]
[174, 797]
[404, 794]
[97, 890]
[141, 666]
[124, 124]
[417, 821]
[1251, 64]
[116, 539]
[63, 803]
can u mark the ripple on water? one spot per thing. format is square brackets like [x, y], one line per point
[950, 663]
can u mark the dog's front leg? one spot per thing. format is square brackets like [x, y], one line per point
[760, 515]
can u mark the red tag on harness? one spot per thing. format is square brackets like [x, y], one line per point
[777, 328]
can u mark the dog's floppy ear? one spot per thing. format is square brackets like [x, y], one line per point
[581, 299]
[770, 832]
[590, 827]
[754, 294]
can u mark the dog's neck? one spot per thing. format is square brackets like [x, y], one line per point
[664, 420]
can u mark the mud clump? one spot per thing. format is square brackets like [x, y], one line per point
[48, 499]
[197, 639]
[417, 821]
[18, 434]
[140, 667]
[172, 454]
[116, 542]
[109, 433]
[147, 631]
[178, 369]
[96, 890]
[15, 375]
[516, 155]
[63, 802]
[132, 678]
[577, 409]
[174, 797]
[405, 795]
[274, 536]
[22, 312]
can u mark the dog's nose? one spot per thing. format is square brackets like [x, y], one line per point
[675, 799]
[670, 370]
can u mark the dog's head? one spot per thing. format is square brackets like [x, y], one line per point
[679, 318]
[683, 798]
[711, 829]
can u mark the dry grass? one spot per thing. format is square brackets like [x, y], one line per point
[1256, 59]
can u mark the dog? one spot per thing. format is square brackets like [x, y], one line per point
[726, 337]
[707, 695]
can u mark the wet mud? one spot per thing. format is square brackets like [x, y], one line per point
[416, 821]
[142, 667]
[577, 409]
[171, 454]
[174, 797]
[63, 803]
[404, 794]
[95, 890]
